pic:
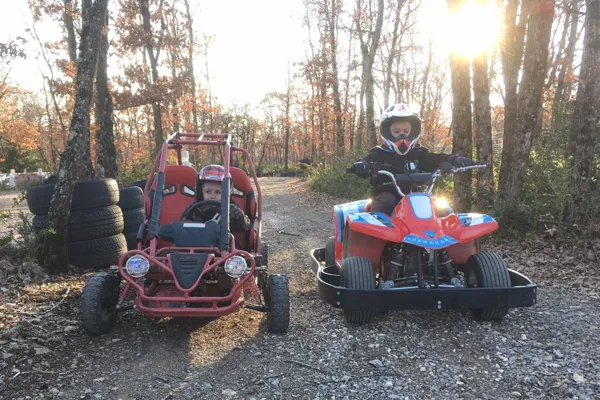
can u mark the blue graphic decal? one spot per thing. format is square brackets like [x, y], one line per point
[343, 210]
[430, 234]
[377, 218]
[472, 219]
[444, 241]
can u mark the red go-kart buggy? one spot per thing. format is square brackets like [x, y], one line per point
[422, 257]
[191, 269]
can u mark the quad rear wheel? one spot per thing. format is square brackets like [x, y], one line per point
[358, 273]
[488, 270]
[330, 252]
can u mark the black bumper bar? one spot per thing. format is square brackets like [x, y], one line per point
[521, 294]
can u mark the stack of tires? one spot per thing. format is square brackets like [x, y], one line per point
[94, 231]
[131, 202]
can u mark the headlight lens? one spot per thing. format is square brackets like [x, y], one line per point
[235, 267]
[442, 203]
[137, 266]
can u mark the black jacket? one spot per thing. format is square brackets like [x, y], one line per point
[419, 159]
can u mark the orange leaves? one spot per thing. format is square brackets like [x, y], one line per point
[15, 126]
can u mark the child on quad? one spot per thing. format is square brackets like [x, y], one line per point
[400, 129]
[208, 187]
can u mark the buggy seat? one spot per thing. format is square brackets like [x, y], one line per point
[243, 196]
[179, 193]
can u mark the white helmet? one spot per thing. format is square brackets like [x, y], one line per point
[402, 143]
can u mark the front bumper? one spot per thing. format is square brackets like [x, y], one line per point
[522, 293]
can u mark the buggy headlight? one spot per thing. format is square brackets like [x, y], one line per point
[137, 266]
[235, 267]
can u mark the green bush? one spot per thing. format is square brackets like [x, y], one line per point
[139, 172]
[333, 180]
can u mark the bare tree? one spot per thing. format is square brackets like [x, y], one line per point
[75, 163]
[586, 121]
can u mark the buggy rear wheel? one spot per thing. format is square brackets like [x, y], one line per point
[488, 270]
[330, 252]
[98, 304]
[278, 316]
[358, 273]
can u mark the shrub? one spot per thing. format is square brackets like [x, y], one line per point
[333, 180]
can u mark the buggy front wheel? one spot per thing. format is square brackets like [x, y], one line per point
[98, 304]
[278, 316]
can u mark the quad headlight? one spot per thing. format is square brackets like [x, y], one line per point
[137, 266]
[236, 266]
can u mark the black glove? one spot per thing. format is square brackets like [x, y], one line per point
[460, 161]
[362, 169]
[235, 213]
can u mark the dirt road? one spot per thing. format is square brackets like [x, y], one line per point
[549, 350]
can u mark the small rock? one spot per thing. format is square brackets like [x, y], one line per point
[54, 390]
[70, 328]
[275, 382]
[206, 385]
[376, 363]
[229, 392]
[98, 396]
[87, 391]
[578, 378]
[388, 384]
[523, 336]
[394, 396]
[41, 350]
[116, 340]
[515, 394]
[558, 354]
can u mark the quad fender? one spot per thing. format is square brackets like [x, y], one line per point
[340, 213]
[467, 228]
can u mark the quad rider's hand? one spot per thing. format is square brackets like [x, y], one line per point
[459, 162]
[362, 169]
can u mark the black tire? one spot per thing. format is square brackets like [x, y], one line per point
[330, 252]
[131, 239]
[97, 253]
[140, 184]
[488, 270]
[90, 224]
[278, 318]
[130, 198]
[98, 304]
[132, 220]
[86, 194]
[358, 273]
[264, 252]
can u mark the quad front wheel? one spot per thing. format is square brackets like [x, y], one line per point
[98, 304]
[358, 273]
[488, 270]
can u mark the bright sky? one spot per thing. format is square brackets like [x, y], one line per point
[254, 42]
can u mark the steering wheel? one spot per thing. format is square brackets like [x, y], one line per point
[204, 210]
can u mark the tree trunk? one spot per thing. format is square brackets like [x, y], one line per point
[106, 152]
[529, 98]
[394, 52]
[70, 28]
[368, 52]
[332, 20]
[191, 45]
[461, 122]
[153, 57]
[586, 121]
[483, 131]
[461, 128]
[75, 162]
[512, 54]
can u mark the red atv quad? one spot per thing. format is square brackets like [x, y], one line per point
[422, 257]
[191, 269]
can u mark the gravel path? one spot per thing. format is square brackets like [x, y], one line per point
[549, 350]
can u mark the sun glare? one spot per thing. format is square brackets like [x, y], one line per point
[471, 29]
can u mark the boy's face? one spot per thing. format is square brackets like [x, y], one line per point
[211, 191]
[400, 128]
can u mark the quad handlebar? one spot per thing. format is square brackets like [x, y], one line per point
[400, 177]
